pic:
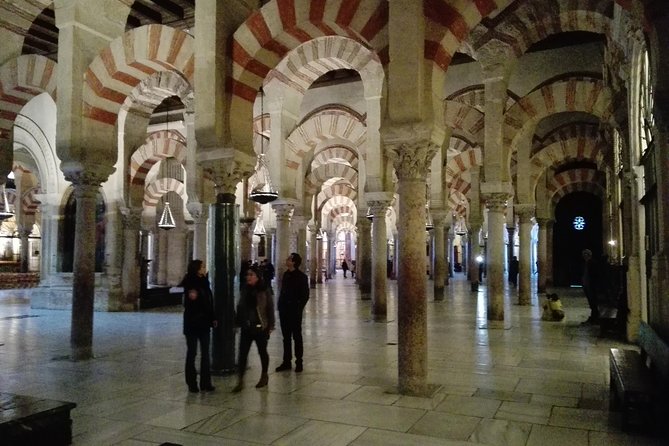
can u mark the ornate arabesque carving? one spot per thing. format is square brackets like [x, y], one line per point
[283, 211]
[497, 201]
[86, 175]
[227, 173]
[378, 208]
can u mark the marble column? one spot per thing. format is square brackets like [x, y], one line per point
[319, 258]
[549, 252]
[332, 254]
[524, 267]
[543, 254]
[284, 212]
[379, 256]
[200, 215]
[474, 252]
[511, 232]
[246, 238]
[313, 255]
[496, 204]
[24, 232]
[440, 266]
[299, 224]
[131, 267]
[270, 238]
[450, 243]
[160, 261]
[364, 268]
[86, 185]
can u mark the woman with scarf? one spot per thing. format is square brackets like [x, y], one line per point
[199, 317]
[255, 316]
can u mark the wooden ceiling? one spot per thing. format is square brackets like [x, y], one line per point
[42, 36]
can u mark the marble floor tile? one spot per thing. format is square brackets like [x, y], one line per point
[501, 433]
[375, 437]
[323, 433]
[596, 420]
[261, 428]
[557, 436]
[446, 425]
[472, 406]
[374, 395]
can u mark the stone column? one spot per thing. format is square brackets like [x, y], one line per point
[364, 267]
[319, 255]
[450, 234]
[440, 266]
[160, 260]
[270, 238]
[466, 254]
[246, 238]
[86, 185]
[24, 232]
[549, 252]
[332, 254]
[543, 254]
[299, 224]
[511, 231]
[200, 216]
[283, 211]
[525, 212]
[496, 204]
[313, 255]
[474, 252]
[131, 267]
[379, 255]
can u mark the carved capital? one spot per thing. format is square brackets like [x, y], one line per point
[497, 201]
[525, 212]
[545, 222]
[86, 175]
[410, 149]
[197, 211]
[283, 211]
[131, 217]
[378, 208]
[441, 218]
[496, 59]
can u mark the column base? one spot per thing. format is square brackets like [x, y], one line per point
[423, 390]
[495, 325]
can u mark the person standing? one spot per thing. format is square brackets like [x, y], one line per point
[199, 317]
[344, 267]
[293, 297]
[589, 282]
[255, 316]
[513, 271]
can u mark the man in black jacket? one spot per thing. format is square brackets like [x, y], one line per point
[292, 299]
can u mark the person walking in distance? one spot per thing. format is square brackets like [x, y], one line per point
[293, 297]
[255, 316]
[589, 282]
[344, 267]
[199, 316]
[513, 271]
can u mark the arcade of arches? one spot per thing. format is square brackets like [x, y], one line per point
[528, 128]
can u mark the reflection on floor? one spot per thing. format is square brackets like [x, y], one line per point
[536, 383]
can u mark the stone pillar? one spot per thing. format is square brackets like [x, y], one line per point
[543, 254]
[379, 256]
[474, 250]
[496, 204]
[549, 252]
[525, 213]
[299, 224]
[313, 255]
[440, 266]
[511, 232]
[466, 254]
[86, 185]
[246, 238]
[450, 244]
[24, 232]
[332, 254]
[364, 266]
[200, 216]
[270, 238]
[283, 211]
[160, 259]
[176, 259]
[319, 255]
[131, 267]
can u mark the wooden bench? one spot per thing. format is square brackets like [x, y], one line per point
[638, 378]
[26, 420]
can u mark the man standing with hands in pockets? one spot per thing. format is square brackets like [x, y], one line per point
[292, 299]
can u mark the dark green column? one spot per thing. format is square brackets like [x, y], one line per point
[223, 244]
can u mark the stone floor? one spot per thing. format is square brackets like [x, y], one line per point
[536, 383]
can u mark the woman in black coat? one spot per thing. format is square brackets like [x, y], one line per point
[199, 317]
[255, 316]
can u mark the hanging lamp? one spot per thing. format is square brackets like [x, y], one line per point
[259, 228]
[429, 224]
[166, 219]
[263, 191]
[6, 212]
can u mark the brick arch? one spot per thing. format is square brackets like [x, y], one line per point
[336, 205]
[128, 60]
[587, 180]
[330, 124]
[160, 187]
[474, 96]
[21, 79]
[459, 184]
[336, 151]
[574, 148]
[262, 41]
[462, 162]
[567, 95]
[344, 224]
[316, 177]
[465, 118]
[340, 188]
[458, 203]
[153, 90]
[158, 146]
[29, 201]
[578, 129]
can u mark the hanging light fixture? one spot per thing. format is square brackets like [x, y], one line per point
[166, 219]
[263, 191]
[259, 228]
[5, 213]
[429, 224]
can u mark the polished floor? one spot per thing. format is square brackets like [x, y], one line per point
[534, 383]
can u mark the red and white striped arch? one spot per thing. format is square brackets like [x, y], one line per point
[457, 202]
[342, 188]
[568, 95]
[335, 152]
[160, 187]
[270, 33]
[459, 185]
[579, 129]
[316, 177]
[579, 148]
[587, 180]
[21, 79]
[127, 61]
[474, 96]
[462, 162]
[158, 146]
[465, 118]
[29, 202]
[330, 124]
[337, 205]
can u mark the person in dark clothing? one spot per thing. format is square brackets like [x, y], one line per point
[267, 270]
[292, 299]
[589, 282]
[344, 267]
[199, 317]
[255, 316]
[513, 271]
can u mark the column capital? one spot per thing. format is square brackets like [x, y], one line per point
[86, 174]
[283, 211]
[198, 211]
[299, 222]
[497, 201]
[131, 217]
[440, 217]
[410, 149]
[524, 211]
[378, 208]
[496, 59]
[226, 167]
[545, 222]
